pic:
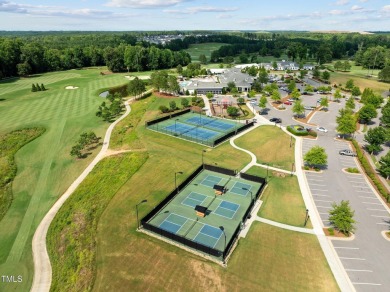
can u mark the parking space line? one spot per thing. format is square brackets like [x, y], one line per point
[364, 197]
[317, 185]
[379, 216]
[357, 182]
[372, 203]
[387, 224]
[312, 179]
[372, 284]
[317, 195]
[323, 201]
[346, 247]
[356, 259]
[383, 210]
[319, 190]
[364, 192]
[352, 270]
[323, 213]
[324, 207]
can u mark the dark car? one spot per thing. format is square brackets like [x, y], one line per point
[347, 152]
[275, 120]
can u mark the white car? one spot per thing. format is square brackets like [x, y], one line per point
[322, 129]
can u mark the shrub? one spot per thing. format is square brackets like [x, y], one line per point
[352, 170]
[306, 167]
[312, 133]
[163, 109]
[297, 132]
[331, 231]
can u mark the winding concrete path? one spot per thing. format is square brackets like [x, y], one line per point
[42, 267]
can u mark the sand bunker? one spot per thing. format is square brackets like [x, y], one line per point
[139, 77]
[71, 87]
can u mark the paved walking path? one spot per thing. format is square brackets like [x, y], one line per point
[42, 267]
[285, 226]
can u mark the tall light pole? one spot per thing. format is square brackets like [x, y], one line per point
[136, 208]
[176, 173]
[203, 152]
[224, 250]
[245, 189]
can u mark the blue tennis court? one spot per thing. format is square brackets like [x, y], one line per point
[173, 223]
[227, 209]
[210, 123]
[211, 180]
[194, 199]
[191, 131]
[240, 189]
[208, 235]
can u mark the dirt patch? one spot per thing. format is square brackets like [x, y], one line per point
[71, 87]
[106, 73]
[164, 95]
[336, 233]
[207, 276]
[278, 174]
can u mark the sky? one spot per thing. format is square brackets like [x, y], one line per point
[130, 15]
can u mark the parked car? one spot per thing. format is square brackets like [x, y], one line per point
[276, 120]
[322, 129]
[291, 99]
[347, 152]
[288, 102]
[254, 120]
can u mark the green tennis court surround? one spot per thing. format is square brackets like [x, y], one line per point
[214, 230]
[197, 127]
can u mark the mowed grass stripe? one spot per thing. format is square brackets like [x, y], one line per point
[24, 230]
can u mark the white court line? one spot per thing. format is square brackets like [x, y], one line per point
[357, 259]
[372, 203]
[376, 210]
[345, 247]
[378, 216]
[324, 207]
[352, 270]
[372, 284]
[323, 201]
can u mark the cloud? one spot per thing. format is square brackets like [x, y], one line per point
[363, 1]
[356, 7]
[40, 10]
[386, 9]
[337, 12]
[342, 2]
[200, 9]
[145, 3]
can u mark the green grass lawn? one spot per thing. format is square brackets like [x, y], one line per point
[206, 49]
[45, 168]
[282, 199]
[270, 145]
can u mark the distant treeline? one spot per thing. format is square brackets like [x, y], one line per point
[24, 53]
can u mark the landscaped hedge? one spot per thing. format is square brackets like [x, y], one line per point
[292, 130]
[370, 171]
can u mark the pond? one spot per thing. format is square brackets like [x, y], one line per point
[104, 94]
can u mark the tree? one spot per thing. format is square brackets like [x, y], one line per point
[291, 86]
[384, 74]
[163, 109]
[384, 165]
[209, 95]
[367, 113]
[172, 84]
[172, 105]
[350, 104]
[355, 92]
[316, 73]
[325, 76]
[275, 65]
[38, 87]
[346, 122]
[76, 151]
[179, 69]
[231, 85]
[276, 96]
[232, 111]
[263, 103]
[341, 217]
[24, 69]
[375, 137]
[33, 88]
[234, 92]
[251, 94]
[346, 66]
[43, 87]
[350, 84]
[324, 102]
[136, 87]
[316, 157]
[240, 100]
[203, 59]
[309, 88]
[338, 65]
[298, 108]
[385, 118]
[337, 95]
[295, 94]
[263, 76]
[159, 80]
[184, 102]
